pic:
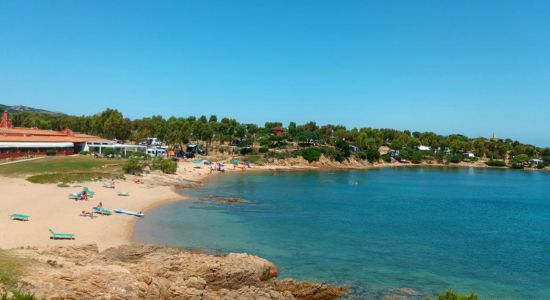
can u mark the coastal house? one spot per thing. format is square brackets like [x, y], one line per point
[278, 131]
[468, 155]
[424, 148]
[536, 161]
[20, 142]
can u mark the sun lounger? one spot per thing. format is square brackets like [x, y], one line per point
[89, 192]
[102, 211]
[123, 193]
[106, 185]
[19, 217]
[61, 236]
[76, 196]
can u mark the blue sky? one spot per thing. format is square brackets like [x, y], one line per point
[469, 67]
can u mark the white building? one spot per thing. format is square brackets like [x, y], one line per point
[424, 148]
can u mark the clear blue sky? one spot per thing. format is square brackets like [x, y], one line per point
[469, 66]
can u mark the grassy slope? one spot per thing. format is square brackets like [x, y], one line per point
[62, 169]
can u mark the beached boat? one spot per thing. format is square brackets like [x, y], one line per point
[102, 211]
[127, 212]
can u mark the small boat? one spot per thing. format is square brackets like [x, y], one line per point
[127, 212]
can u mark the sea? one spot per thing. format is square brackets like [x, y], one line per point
[410, 232]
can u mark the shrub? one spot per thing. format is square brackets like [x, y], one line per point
[51, 152]
[109, 152]
[246, 150]
[139, 155]
[386, 158]
[263, 149]
[454, 158]
[451, 295]
[84, 153]
[168, 166]
[312, 154]
[541, 166]
[496, 163]
[132, 166]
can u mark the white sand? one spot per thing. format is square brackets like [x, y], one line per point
[49, 207]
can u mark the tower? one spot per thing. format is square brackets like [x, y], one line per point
[6, 122]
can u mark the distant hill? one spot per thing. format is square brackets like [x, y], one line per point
[22, 108]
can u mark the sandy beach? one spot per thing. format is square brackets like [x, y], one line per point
[49, 207]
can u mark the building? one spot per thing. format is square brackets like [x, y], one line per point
[20, 142]
[536, 161]
[468, 155]
[278, 131]
[424, 148]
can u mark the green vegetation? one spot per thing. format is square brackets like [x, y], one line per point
[62, 169]
[53, 164]
[311, 154]
[51, 152]
[11, 267]
[496, 163]
[451, 295]
[132, 166]
[334, 141]
[71, 177]
[166, 165]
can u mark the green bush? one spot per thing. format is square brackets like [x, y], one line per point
[132, 166]
[109, 152]
[139, 155]
[451, 295]
[263, 149]
[496, 163]
[168, 166]
[541, 166]
[51, 152]
[454, 158]
[84, 153]
[386, 158]
[312, 154]
[18, 295]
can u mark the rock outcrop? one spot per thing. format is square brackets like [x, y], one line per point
[155, 272]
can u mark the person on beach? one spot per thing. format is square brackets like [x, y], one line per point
[100, 204]
[84, 195]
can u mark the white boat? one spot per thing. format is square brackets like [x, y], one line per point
[127, 212]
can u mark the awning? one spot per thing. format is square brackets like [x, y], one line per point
[35, 145]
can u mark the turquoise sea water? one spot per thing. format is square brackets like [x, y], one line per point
[429, 229]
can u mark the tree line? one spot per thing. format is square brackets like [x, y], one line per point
[178, 131]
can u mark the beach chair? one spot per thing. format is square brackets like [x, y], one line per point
[107, 185]
[60, 236]
[123, 194]
[19, 217]
[76, 196]
[89, 192]
[102, 211]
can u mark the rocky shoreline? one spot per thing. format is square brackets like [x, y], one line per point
[156, 272]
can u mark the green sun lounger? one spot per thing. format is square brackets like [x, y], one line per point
[19, 217]
[123, 193]
[89, 192]
[102, 211]
[75, 196]
[61, 236]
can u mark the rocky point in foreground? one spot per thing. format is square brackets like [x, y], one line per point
[155, 272]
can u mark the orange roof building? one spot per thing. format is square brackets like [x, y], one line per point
[19, 141]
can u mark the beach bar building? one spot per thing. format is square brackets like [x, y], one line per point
[20, 142]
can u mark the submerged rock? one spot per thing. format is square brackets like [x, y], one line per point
[222, 199]
[154, 272]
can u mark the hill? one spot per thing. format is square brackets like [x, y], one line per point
[22, 108]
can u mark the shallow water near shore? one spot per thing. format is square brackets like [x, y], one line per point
[429, 229]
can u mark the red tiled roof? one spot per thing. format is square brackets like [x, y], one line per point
[39, 135]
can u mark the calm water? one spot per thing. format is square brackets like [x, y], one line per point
[486, 231]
